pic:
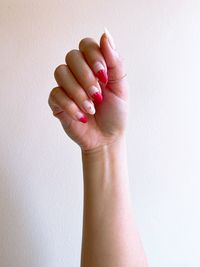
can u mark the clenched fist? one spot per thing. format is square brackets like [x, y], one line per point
[91, 100]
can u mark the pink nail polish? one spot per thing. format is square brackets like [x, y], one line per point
[97, 97]
[101, 72]
[95, 93]
[83, 119]
[102, 76]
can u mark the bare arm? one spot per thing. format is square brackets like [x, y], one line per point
[110, 238]
[91, 102]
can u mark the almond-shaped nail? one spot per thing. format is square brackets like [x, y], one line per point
[110, 38]
[100, 72]
[95, 94]
[81, 117]
[89, 107]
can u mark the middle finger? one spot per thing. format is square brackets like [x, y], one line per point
[83, 74]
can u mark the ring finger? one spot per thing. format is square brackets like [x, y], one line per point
[66, 80]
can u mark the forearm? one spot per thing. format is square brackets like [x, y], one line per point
[110, 237]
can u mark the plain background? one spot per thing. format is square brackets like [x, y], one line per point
[41, 185]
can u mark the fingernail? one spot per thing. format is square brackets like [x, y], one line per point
[110, 38]
[89, 107]
[81, 117]
[95, 94]
[100, 72]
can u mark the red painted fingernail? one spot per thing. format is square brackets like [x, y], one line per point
[81, 117]
[97, 97]
[95, 94]
[101, 72]
[102, 76]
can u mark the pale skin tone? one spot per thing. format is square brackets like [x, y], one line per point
[110, 237]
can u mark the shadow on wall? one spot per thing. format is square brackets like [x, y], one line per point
[17, 245]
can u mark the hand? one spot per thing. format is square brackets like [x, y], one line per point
[90, 69]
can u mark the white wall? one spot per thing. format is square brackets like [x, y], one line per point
[40, 167]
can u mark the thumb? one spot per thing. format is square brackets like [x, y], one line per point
[117, 81]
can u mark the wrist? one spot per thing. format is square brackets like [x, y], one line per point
[106, 163]
[105, 169]
[116, 146]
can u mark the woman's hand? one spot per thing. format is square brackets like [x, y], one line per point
[91, 69]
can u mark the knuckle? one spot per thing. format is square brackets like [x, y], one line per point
[54, 92]
[56, 109]
[70, 54]
[84, 42]
[59, 69]
[58, 113]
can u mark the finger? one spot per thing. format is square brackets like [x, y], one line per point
[94, 58]
[60, 103]
[84, 75]
[115, 65]
[66, 80]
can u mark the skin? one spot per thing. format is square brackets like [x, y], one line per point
[110, 237]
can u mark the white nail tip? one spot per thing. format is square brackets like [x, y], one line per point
[93, 89]
[110, 38]
[98, 66]
[89, 107]
[79, 114]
